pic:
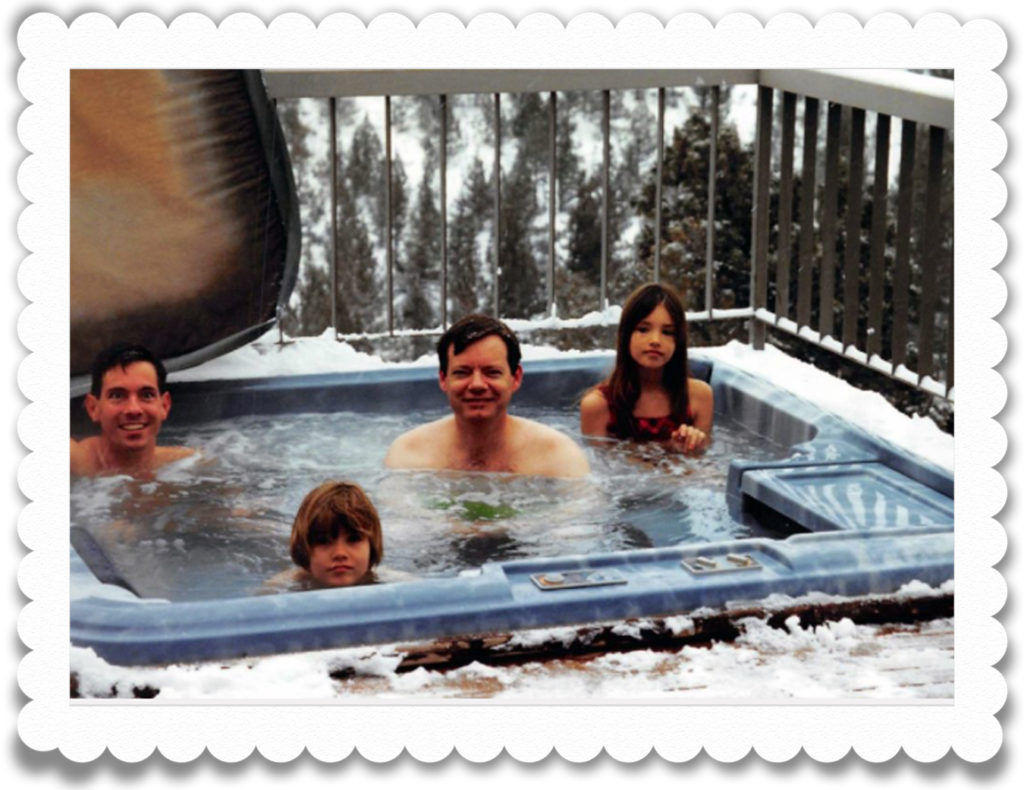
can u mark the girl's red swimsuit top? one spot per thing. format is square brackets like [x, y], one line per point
[647, 428]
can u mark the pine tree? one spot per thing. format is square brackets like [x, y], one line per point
[420, 268]
[521, 289]
[308, 310]
[359, 294]
[465, 262]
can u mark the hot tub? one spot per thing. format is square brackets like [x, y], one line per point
[806, 503]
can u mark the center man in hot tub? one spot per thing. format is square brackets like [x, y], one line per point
[480, 371]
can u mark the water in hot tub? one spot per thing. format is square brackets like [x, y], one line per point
[218, 526]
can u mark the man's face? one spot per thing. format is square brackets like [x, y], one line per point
[130, 408]
[479, 383]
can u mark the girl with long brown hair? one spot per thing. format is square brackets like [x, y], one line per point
[650, 394]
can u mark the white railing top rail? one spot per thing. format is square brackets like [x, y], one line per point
[896, 92]
[312, 84]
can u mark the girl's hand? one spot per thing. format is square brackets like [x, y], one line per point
[690, 440]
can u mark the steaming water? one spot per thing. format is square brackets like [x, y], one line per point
[219, 526]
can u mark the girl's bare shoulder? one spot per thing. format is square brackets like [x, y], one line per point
[699, 390]
[594, 401]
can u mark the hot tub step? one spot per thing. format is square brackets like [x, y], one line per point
[858, 496]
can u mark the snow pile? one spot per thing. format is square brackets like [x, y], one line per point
[832, 661]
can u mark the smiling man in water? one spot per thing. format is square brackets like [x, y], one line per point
[479, 372]
[129, 402]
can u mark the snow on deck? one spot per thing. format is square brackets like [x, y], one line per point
[835, 661]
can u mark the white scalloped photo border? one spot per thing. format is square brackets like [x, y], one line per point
[479, 730]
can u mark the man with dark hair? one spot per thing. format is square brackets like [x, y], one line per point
[129, 402]
[479, 372]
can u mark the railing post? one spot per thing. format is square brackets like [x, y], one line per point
[805, 274]
[829, 218]
[552, 195]
[759, 230]
[930, 253]
[904, 218]
[444, 210]
[332, 108]
[658, 185]
[854, 204]
[709, 254]
[606, 193]
[497, 202]
[389, 221]
[785, 250]
[878, 227]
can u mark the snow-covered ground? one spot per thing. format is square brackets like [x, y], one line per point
[835, 661]
[839, 660]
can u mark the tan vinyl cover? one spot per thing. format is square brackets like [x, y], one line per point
[178, 239]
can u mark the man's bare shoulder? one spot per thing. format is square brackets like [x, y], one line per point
[420, 446]
[83, 457]
[166, 455]
[547, 451]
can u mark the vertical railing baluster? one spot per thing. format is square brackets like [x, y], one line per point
[930, 251]
[658, 185]
[444, 210]
[709, 252]
[950, 338]
[785, 253]
[279, 312]
[880, 197]
[759, 229]
[497, 202]
[807, 190]
[552, 195]
[332, 109]
[389, 222]
[901, 271]
[854, 208]
[829, 217]
[606, 133]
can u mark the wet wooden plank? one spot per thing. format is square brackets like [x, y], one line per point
[904, 218]
[930, 252]
[759, 229]
[876, 283]
[805, 274]
[829, 218]
[854, 207]
[784, 246]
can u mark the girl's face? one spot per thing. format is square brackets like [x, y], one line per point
[653, 341]
[342, 562]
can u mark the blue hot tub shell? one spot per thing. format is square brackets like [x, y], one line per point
[868, 518]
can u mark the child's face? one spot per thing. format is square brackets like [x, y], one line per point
[653, 342]
[343, 562]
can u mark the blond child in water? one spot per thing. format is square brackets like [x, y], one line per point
[650, 394]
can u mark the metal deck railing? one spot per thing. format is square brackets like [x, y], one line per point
[793, 254]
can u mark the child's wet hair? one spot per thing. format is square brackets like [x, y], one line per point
[329, 509]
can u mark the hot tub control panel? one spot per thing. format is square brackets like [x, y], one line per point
[564, 580]
[719, 564]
